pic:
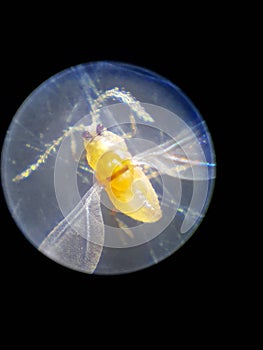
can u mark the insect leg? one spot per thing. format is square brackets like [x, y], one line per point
[124, 227]
[133, 131]
[121, 224]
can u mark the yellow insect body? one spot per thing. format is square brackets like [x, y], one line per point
[128, 188]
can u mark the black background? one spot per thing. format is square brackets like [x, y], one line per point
[192, 52]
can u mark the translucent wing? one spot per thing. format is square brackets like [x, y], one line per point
[185, 158]
[182, 157]
[71, 242]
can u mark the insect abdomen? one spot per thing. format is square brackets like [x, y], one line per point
[135, 198]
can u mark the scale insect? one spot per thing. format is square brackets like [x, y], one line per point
[77, 241]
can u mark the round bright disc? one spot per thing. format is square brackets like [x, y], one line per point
[52, 192]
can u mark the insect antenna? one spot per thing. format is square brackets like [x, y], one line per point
[51, 148]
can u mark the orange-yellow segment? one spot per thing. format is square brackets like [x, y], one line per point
[128, 188]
